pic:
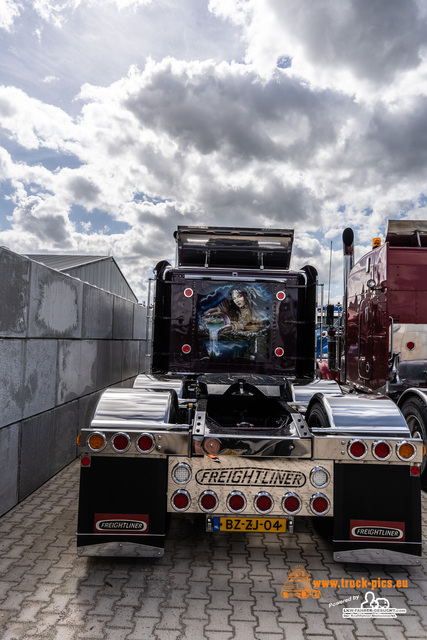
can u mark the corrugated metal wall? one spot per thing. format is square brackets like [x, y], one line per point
[62, 341]
[106, 275]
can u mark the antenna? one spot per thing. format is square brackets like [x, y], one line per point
[330, 265]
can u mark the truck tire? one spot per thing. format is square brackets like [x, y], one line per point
[415, 413]
[318, 417]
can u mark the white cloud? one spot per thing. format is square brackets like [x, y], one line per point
[356, 46]
[195, 134]
[31, 123]
[58, 12]
[9, 11]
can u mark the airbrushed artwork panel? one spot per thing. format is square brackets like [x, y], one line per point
[234, 322]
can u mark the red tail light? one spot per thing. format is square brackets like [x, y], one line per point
[208, 501]
[236, 501]
[291, 503]
[120, 442]
[263, 502]
[145, 443]
[319, 504]
[357, 449]
[181, 500]
[381, 450]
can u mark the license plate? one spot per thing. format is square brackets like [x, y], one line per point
[262, 525]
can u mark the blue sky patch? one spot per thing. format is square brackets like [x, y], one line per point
[96, 221]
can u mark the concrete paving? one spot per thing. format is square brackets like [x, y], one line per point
[207, 586]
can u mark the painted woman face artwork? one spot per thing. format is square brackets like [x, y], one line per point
[234, 322]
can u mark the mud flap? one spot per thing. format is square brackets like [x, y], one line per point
[377, 514]
[122, 507]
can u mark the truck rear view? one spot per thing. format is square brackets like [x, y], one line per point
[232, 424]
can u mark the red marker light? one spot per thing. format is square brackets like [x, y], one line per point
[410, 345]
[120, 442]
[188, 292]
[145, 443]
[357, 449]
[279, 351]
[263, 502]
[181, 500]
[208, 501]
[280, 295]
[85, 461]
[381, 450]
[236, 501]
[319, 504]
[291, 503]
[186, 348]
[415, 471]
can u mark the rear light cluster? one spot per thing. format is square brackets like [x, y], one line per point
[319, 504]
[381, 450]
[263, 503]
[120, 442]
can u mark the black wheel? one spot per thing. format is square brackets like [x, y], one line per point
[415, 414]
[318, 418]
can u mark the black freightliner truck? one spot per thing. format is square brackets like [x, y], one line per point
[232, 423]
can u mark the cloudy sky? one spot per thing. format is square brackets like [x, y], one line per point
[121, 119]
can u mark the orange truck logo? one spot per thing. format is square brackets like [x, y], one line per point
[298, 584]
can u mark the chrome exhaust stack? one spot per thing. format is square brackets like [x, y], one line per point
[348, 251]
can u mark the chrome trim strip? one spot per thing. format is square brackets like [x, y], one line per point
[226, 277]
[377, 556]
[121, 549]
[166, 442]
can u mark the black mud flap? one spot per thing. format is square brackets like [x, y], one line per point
[122, 507]
[377, 514]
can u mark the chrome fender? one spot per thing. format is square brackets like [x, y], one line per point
[361, 415]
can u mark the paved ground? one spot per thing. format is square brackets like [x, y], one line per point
[207, 586]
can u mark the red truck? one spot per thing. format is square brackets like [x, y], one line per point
[383, 346]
